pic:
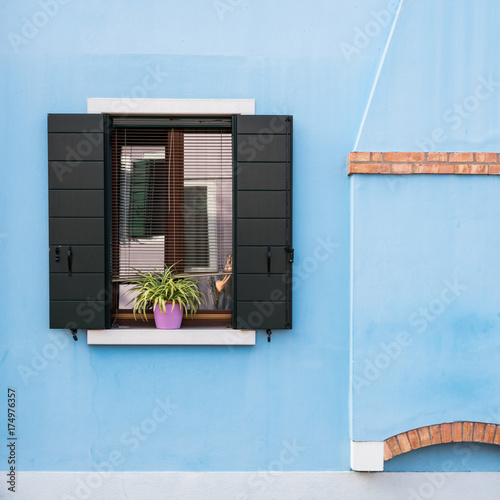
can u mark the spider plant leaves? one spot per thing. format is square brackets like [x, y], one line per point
[160, 287]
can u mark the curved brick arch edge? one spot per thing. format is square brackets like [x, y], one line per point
[452, 432]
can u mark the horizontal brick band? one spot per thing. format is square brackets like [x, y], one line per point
[424, 163]
[452, 432]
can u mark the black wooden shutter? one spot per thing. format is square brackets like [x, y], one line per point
[79, 295]
[262, 222]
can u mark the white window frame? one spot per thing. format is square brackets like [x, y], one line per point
[171, 107]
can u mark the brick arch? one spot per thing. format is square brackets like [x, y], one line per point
[452, 432]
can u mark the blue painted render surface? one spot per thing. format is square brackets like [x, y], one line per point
[214, 409]
[426, 313]
[425, 295]
[439, 87]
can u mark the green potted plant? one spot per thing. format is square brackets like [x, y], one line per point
[168, 294]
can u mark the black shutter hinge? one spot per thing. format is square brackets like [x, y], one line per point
[73, 332]
[269, 333]
[291, 254]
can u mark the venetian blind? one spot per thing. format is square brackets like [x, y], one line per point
[171, 195]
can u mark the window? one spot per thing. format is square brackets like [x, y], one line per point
[112, 208]
[172, 186]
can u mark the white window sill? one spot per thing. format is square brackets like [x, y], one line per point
[183, 336]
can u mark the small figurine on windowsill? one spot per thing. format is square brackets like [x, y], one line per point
[222, 286]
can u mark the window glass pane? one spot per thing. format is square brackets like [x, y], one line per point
[196, 238]
[172, 203]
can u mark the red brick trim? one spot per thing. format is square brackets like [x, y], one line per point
[424, 163]
[456, 432]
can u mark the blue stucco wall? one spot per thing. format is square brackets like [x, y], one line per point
[426, 313]
[238, 409]
[425, 294]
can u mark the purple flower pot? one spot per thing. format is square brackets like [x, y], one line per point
[169, 320]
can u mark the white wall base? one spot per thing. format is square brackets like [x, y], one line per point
[253, 485]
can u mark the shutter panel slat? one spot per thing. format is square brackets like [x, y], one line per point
[262, 315]
[258, 287]
[76, 175]
[75, 147]
[67, 123]
[254, 260]
[263, 222]
[76, 203]
[261, 176]
[86, 259]
[262, 204]
[78, 314]
[76, 231]
[264, 125]
[261, 232]
[78, 284]
[256, 148]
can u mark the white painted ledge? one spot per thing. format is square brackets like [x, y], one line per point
[183, 336]
[185, 107]
[367, 456]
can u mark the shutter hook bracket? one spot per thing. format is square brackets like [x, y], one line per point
[291, 254]
[269, 333]
[70, 262]
[73, 332]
